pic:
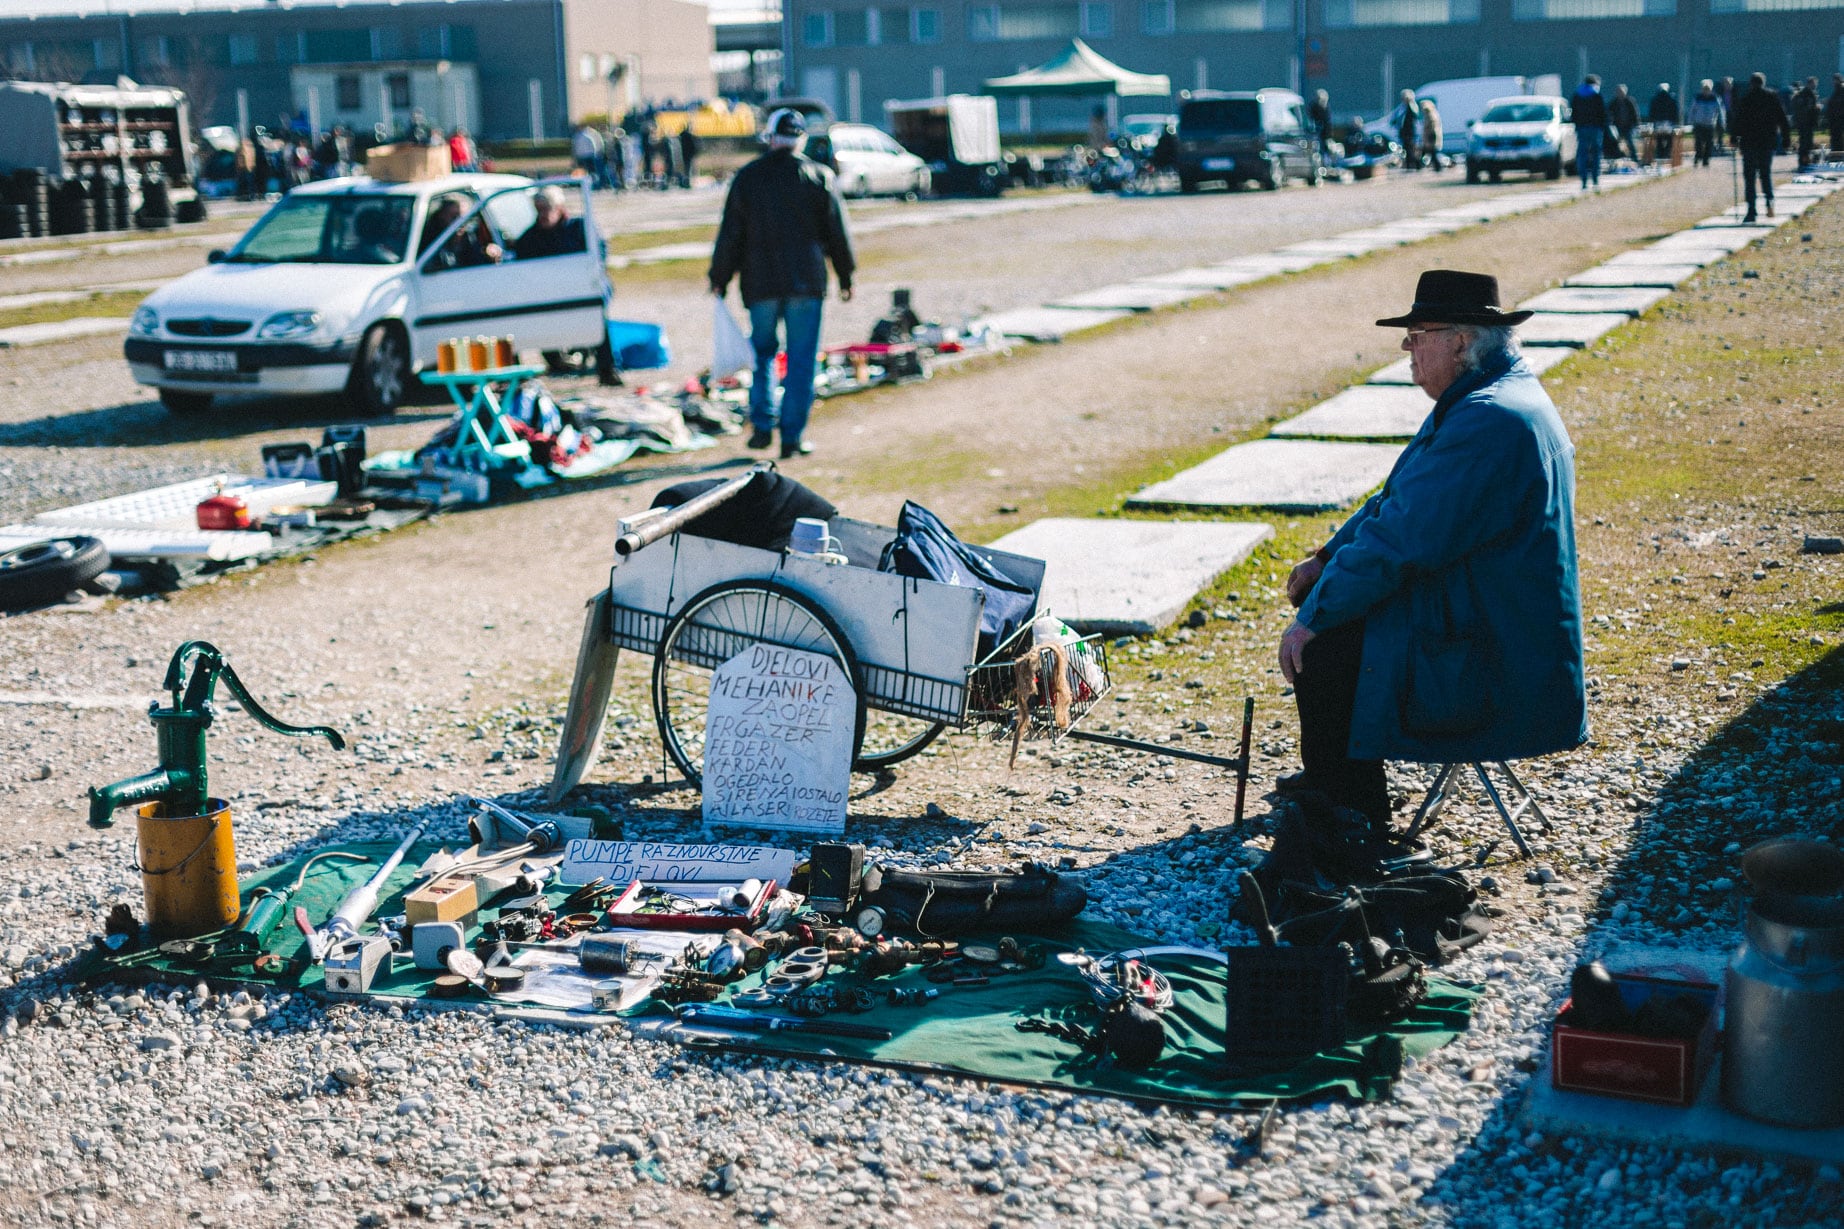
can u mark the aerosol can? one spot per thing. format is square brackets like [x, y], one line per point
[187, 854]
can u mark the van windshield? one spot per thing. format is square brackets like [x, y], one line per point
[1519, 113]
[337, 230]
[1204, 118]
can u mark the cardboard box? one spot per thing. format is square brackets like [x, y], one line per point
[407, 163]
[448, 900]
[1662, 1070]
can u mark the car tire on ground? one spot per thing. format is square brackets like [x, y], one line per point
[43, 572]
[1317, 179]
[177, 402]
[1497, 176]
[380, 372]
[1187, 186]
[1472, 173]
[1553, 168]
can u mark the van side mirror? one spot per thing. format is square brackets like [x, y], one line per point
[1471, 122]
[215, 256]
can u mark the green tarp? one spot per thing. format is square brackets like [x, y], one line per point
[970, 1031]
[965, 1031]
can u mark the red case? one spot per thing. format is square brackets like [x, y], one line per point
[619, 912]
[1662, 1070]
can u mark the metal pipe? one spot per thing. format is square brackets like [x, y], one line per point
[359, 904]
[690, 510]
[1134, 744]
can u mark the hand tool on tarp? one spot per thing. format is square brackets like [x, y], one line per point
[180, 780]
[267, 907]
[358, 906]
[1240, 763]
[730, 1019]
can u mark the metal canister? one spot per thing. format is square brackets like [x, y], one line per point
[1783, 1058]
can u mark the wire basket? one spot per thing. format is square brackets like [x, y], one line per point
[992, 687]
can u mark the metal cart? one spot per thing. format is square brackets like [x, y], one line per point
[909, 645]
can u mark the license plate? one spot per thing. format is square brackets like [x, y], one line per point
[201, 360]
[1219, 164]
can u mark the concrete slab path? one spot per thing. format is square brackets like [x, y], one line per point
[1285, 475]
[1666, 276]
[1627, 300]
[1539, 358]
[61, 330]
[1050, 323]
[1367, 412]
[1130, 577]
[1567, 328]
[1132, 296]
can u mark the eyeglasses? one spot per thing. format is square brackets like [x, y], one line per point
[1414, 335]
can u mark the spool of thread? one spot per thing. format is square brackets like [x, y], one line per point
[503, 353]
[478, 354]
[445, 357]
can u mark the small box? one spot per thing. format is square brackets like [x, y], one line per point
[407, 163]
[1662, 1070]
[449, 900]
[689, 906]
[834, 873]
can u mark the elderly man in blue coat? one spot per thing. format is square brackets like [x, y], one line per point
[1442, 622]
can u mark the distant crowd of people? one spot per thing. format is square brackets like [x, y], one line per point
[642, 155]
[293, 154]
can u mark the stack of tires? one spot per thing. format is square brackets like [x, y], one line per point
[156, 211]
[12, 212]
[31, 191]
[71, 212]
[192, 209]
[102, 204]
[118, 204]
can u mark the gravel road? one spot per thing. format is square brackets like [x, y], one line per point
[445, 650]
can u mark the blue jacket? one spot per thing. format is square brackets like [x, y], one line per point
[1463, 569]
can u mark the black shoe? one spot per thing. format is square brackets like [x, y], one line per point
[760, 439]
[799, 448]
[1296, 783]
[1748, 217]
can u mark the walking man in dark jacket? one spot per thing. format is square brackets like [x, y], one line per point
[1588, 112]
[1757, 124]
[1834, 115]
[782, 222]
[1807, 111]
[1623, 115]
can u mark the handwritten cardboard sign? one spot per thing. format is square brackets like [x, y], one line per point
[669, 862]
[778, 741]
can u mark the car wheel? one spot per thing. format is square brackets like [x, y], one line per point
[1553, 168]
[1318, 176]
[380, 373]
[177, 402]
[43, 572]
[1497, 176]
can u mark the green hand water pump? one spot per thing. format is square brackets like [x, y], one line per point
[179, 781]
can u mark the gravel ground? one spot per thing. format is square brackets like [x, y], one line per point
[171, 1107]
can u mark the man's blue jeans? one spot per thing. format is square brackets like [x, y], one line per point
[803, 346]
[1588, 154]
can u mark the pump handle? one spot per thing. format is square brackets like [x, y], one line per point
[195, 694]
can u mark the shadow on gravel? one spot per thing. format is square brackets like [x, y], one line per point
[1777, 769]
[138, 424]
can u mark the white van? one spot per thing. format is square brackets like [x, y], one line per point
[1461, 101]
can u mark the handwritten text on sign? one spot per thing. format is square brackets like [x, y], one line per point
[665, 862]
[778, 741]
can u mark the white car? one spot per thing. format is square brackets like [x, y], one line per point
[350, 285]
[1527, 133]
[871, 163]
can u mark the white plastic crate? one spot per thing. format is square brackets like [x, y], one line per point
[176, 506]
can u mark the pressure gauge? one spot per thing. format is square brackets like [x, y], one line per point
[869, 921]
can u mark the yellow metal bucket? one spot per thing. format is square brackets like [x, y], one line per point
[188, 868]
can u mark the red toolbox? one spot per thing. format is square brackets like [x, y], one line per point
[1663, 1070]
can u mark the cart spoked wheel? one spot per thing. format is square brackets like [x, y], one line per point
[715, 626]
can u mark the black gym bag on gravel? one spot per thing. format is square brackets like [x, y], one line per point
[934, 903]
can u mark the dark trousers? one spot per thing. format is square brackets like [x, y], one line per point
[1808, 141]
[1757, 163]
[1706, 142]
[1326, 691]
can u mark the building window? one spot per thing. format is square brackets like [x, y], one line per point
[243, 49]
[816, 29]
[585, 67]
[1771, 6]
[291, 48]
[1037, 21]
[1223, 16]
[925, 25]
[1156, 17]
[155, 51]
[336, 46]
[399, 86]
[851, 27]
[983, 22]
[1569, 10]
[346, 91]
[1097, 19]
[386, 43]
[1349, 14]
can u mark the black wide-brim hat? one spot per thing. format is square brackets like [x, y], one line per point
[1448, 296]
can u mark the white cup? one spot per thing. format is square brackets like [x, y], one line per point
[809, 537]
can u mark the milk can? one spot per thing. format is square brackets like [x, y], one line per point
[1783, 1056]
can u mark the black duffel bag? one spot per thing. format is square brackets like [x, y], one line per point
[953, 902]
